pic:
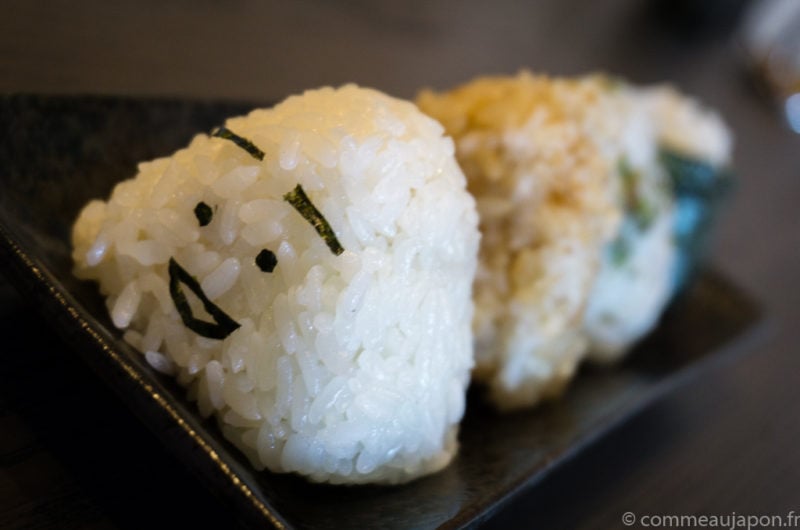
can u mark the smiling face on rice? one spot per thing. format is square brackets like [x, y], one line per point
[345, 365]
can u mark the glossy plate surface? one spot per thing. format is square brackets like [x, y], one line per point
[56, 153]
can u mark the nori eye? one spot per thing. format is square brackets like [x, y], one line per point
[222, 326]
[266, 260]
[242, 142]
[204, 213]
[298, 198]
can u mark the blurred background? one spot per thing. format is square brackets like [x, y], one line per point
[726, 443]
[265, 50]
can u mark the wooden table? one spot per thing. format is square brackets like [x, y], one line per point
[726, 442]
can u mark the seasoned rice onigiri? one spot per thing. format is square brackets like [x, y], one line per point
[533, 152]
[344, 366]
[578, 216]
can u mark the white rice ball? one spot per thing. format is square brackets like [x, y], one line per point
[346, 368]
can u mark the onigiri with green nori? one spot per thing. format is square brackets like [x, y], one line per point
[592, 194]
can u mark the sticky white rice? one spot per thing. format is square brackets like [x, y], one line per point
[686, 126]
[348, 368]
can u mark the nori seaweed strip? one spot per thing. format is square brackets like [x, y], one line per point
[223, 324]
[694, 177]
[266, 260]
[244, 143]
[699, 188]
[298, 198]
[204, 213]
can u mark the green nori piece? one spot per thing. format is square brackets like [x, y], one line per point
[641, 212]
[266, 260]
[644, 214]
[204, 213]
[222, 326]
[244, 143]
[694, 177]
[298, 198]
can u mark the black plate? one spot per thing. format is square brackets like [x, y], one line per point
[56, 153]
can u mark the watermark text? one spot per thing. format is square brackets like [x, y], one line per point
[730, 521]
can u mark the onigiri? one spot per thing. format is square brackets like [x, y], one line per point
[306, 272]
[577, 182]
